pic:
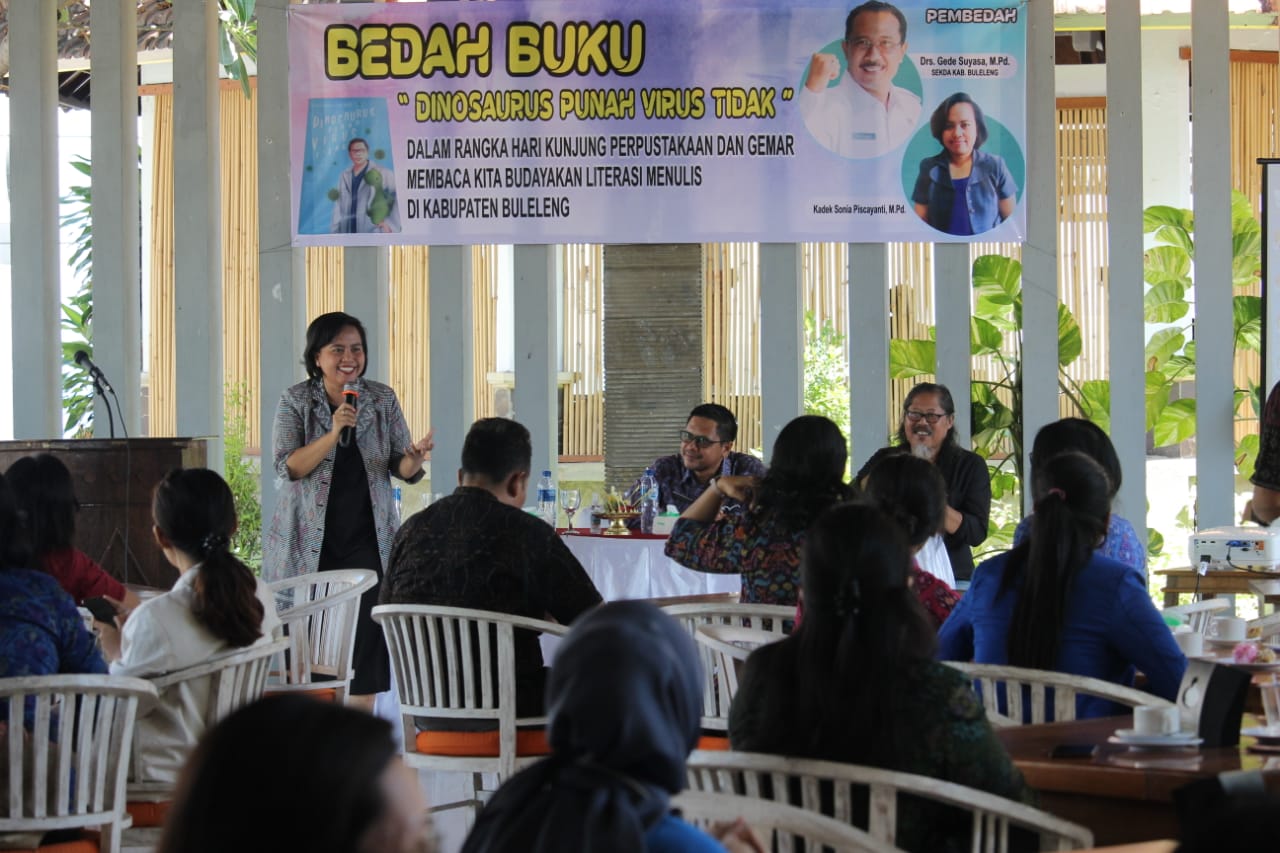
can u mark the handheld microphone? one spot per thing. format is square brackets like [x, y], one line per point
[349, 395]
[82, 359]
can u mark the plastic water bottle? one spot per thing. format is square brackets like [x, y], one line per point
[547, 498]
[395, 494]
[648, 500]
[596, 509]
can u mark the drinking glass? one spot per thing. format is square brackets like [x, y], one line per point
[570, 500]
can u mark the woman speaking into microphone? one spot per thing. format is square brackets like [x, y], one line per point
[339, 438]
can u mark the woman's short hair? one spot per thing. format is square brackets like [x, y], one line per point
[912, 492]
[938, 122]
[1080, 435]
[42, 486]
[284, 773]
[321, 333]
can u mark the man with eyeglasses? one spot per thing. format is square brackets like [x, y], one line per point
[863, 114]
[706, 452]
[925, 431]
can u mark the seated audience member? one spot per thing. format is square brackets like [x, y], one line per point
[624, 701]
[926, 430]
[478, 548]
[856, 682]
[41, 633]
[215, 606]
[1055, 603]
[706, 452]
[1122, 542]
[911, 492]
[806, 475]
[290, 773]
[43, 488]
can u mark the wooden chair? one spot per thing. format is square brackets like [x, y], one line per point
[318, 616]
[848, 792]
[459, 664]
[773, 618]
[780, 825]
[1025, 693]
[234, 679]
[67, 769]
[1199, 614]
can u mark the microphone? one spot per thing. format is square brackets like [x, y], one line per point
[349, 395]
[82, 359]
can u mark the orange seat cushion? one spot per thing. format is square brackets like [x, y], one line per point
[148, 814]
[713, 742]
[326, 694]
[86, 844]
[528, 742]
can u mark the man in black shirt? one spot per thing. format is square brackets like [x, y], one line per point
[478, 548]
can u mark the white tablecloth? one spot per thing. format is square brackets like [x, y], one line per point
[627, 567]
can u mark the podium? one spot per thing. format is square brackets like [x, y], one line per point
[113, 480]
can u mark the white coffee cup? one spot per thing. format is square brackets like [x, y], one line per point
[1228, 628]
[1191, 643]
[1156, 719]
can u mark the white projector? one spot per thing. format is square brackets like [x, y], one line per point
[1256, 548]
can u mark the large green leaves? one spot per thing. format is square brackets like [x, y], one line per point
[1165, 303]
[1246, 322]
[911, 358]
[1070, 344]
[1176, 423]
[997, 289]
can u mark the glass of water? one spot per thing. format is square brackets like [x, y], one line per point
[570, 500]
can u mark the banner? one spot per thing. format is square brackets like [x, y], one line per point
[667, 121]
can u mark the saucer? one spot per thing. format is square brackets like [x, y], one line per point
[1228, 660]
[1173, 740]
[1225, 644]
[1266, 735]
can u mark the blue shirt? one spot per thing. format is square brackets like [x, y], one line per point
[1122, 542]
[673, 835]
[41, 632]
[988, 183]
[1111, 627]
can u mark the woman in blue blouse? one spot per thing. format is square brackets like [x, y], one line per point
[962, 190]
[1054, 603]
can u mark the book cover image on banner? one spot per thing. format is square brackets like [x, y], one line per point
[681, 121]
[348, 177]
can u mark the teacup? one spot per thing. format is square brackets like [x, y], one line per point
[1228, 629]
[1271, 703]
[1191, 643]
[1156, 719]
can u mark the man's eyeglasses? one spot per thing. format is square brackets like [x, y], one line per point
[884, 45]
[699, 441]
[931, 417]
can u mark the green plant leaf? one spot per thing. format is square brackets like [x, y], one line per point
[1177, 423]
[1246, 455]
[1070, 344]
[984, 337]
[1155, 542]
[1163, 345]
[911, 358]
[1158, 215]
[1157, 388]
[1164, 264]
[1095, 396]
[997, 289]
[1165, 303]
[1177, 237]
[1246, 322]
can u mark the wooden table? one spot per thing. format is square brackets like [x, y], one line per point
[1265, 585]
[1124, 796]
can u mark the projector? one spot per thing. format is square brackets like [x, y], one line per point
[1256, 548]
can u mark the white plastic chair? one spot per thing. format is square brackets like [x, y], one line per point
[67, 770]
[1199, 614]
[234, 678]
[730, 646]
[318, 616]
[847, 792]
[1264, 627]
[780, 825]
[456, 663]
[997, 684]
[773, 618]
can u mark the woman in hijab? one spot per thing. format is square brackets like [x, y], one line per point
[624, 702]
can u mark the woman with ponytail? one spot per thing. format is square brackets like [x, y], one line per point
[215, 606]
[1056, 603]
[856, 682]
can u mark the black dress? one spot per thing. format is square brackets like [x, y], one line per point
[351, 542]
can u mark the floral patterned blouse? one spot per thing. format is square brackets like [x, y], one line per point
[755, 544]
[1122, 543]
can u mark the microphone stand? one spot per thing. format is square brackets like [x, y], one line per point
[106, 404]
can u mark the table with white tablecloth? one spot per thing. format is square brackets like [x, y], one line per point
[635, 567]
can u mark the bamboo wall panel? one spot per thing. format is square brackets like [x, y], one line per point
[484, 310]
[582, 432]
[162, 417]
[409, 321]
[325, 270]
[731, 348]
[241, 338]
